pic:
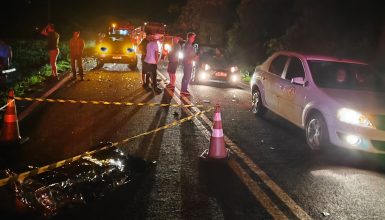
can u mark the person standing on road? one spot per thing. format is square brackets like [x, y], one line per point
[151, 61]
[76, 54]
[173, 61]
[53, 46]
[188, 60]
[142, 47]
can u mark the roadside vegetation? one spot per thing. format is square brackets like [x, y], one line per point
[30, 58]
[253, 30]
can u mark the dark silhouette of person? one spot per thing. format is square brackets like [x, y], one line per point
[52, 46]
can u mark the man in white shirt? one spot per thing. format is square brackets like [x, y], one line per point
[151, 60]
[189, 57]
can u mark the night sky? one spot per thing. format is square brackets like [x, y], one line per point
[23, 17]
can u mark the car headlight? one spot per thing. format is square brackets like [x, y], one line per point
[203, 76]
[167, 47]
[233, 69]
[207, 67]
[234, 78]
[354, 117]
[180, 55]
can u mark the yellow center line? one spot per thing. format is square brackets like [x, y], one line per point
[263, 198]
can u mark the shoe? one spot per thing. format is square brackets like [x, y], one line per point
[185, 93]
[157, 90]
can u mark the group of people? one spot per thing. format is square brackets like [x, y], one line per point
[76, 47]
[150, 57]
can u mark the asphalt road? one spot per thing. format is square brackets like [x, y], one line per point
[271, 173]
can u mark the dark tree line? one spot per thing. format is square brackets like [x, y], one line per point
[345, 28]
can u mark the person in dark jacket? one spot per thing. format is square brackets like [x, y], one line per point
[173, 62]
[52, 46]
[76, 54]
[142, 48]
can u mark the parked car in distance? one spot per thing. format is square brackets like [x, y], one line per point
[335, 101]
[213, 65]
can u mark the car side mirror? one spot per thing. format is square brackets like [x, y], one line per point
[298, 81]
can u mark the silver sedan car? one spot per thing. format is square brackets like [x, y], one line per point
[335, 101]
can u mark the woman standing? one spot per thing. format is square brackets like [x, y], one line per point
[53, 46]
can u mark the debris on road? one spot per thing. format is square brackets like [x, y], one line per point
[206, 101]
[325, 214]
[79, 182]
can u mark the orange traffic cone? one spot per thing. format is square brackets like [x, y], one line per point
[10, 131]
[217, 148]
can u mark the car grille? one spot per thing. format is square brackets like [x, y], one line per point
[379, 145]
[379, 122]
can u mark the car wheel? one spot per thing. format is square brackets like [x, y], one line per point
[317, 136]
[257, 106]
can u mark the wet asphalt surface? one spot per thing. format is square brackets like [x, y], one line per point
[337, 184]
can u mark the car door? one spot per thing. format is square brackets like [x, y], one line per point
[291, 97]
[272, 81]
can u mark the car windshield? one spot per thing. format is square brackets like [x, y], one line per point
[117, 37]
[340, 75]
[215, 58]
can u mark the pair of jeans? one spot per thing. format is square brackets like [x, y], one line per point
[150, 71]
[76, 61]
[187, 70]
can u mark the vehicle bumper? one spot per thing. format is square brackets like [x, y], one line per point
[358, 138]
[232, 78]
[117, 58]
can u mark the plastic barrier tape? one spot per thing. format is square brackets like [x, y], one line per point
[20, 177]
[103, 102]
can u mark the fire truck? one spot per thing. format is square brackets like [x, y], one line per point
[125, 28]
[118, 46]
